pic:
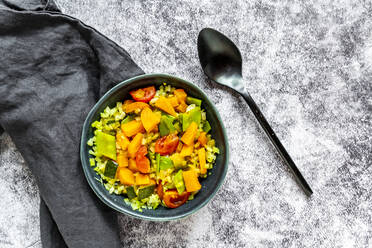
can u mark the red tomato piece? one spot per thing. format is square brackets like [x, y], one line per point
[144, 94]
[173, 200]
[142, 162]
[167, 144]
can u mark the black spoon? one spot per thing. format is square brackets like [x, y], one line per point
[222, 63]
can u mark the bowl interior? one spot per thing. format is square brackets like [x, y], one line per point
[210, 185]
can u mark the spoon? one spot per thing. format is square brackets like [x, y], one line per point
[222, 62]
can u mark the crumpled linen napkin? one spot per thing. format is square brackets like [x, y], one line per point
[53, 69]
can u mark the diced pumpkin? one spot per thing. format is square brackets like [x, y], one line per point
[135, 145]
[152, 181]
[202, 161]
[122, 140]
[189, 136]
[173, 101]
[142, 179]
[126, 176]
[122, 159]
[203, 138]
[187, 150]
[182, 107]
[149, 119]
[191, 181]
[135, 106]
[132, 165]
[125, 104]
[180, 94]
[165, 105]
[132, 128]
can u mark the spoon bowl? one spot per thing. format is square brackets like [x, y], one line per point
[221, 59]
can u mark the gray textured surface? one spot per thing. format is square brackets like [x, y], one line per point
[308, 66]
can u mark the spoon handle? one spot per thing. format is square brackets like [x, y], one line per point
[276, 142]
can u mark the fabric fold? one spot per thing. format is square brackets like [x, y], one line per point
[53, 70]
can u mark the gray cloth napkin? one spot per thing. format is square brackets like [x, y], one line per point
[53, 69]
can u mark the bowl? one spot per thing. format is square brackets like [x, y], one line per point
[210, 185]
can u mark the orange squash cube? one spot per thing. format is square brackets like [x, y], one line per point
[142, 179]
[132, 128]
[189, 136]
[203, 138]
[122, 159]
[135, 145]
[182, 107]
[202, 161]
[122, 140]
[149, 119]
[173, 101]
[135, 106]
[187, 150]
[180, 94]
[165, 105]
[126, 176]
[191, 181]
[132, 165]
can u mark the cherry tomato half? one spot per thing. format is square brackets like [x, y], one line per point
[167, 144]
[173, 200]
[144, 94]
[142, 162]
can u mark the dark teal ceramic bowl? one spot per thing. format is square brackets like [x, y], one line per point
[210, 185]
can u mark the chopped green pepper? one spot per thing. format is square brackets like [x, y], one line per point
[165, 163]
[194, 115]
[178, 181]
[192, 100]
[206, 127]
[157, 159]
[166, 125]
[106, 145]
[185, 121]
[145, 192]
[110, 169]
[163, 129]
[130, 192]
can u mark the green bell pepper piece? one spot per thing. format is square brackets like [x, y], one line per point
[145, 192]
[166, 125]
[106, 145]
[127, 119]
[130, 192]
[185, 121]
[163, 129]
[110, 169]
[206, 127]
[165, 163]
[194, 115]
[192, 100]
[178, 181]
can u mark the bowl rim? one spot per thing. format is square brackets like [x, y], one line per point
[138, 214]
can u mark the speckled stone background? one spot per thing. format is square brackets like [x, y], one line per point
[308, 64]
